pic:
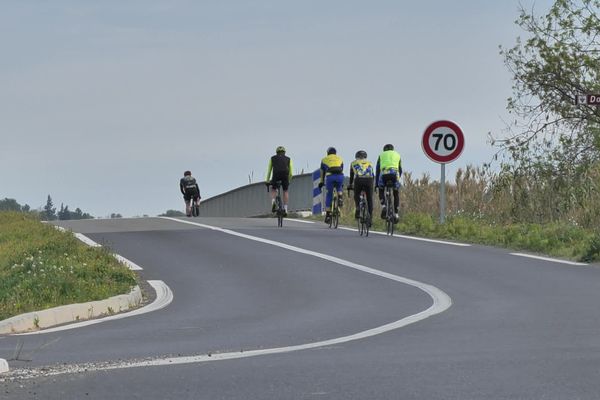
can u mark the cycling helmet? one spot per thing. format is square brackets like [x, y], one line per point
[388, 147]
[280, 149]
[331, 150]
[361, 154]
[186, 173]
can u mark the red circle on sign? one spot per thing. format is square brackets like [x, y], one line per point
[436, 155]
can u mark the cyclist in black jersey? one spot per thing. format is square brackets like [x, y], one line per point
[279, 169]
[190, 190]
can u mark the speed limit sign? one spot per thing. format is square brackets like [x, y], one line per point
[443, 141]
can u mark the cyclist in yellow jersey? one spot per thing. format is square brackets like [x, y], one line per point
[332, 175]
[361, 178]
[281, 167]
[389, 170]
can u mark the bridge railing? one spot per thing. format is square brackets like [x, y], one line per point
[253, 200]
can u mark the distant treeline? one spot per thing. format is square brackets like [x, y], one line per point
[48, 212]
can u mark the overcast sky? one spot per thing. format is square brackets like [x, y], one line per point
[104, 104]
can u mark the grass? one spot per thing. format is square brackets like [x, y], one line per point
[553, 239]
[41, 267]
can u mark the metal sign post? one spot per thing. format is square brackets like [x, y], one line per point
[443, 142]
[443, 193]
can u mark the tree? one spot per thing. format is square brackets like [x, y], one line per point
[172, 213]
[9, 205]
[116, 215]
[64, 213]
[552, 150]
[49, 213]
[560, 59]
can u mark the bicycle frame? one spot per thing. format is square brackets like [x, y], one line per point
[280, 210]
[335, 208]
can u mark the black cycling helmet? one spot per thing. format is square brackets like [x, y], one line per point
[186, 173]
[331, 150]
[361, 154]
[388, 147]
[280, 149]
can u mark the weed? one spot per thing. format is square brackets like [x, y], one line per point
[41, 267]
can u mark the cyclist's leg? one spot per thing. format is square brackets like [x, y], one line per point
[339, 184]
[329, 185]
[357, 189]
[368, 187]
[396, 193]
[285, 184]
[187, 199]
[273, 194]
[380, 185]
[382, 189]
[328, 197]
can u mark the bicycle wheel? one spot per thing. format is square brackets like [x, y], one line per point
[361, 218]
[366, 221]
[333, 209]
[279, 211]
[336, 218]
[195, 209]
[389, 218]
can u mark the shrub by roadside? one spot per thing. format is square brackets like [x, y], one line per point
[41, 267]
[554, 239]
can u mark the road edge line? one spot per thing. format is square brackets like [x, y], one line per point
[550, 259]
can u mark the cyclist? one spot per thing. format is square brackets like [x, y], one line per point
[190, 190]
[388, 171]
[361, 178]
[281, 168]
[332, 175]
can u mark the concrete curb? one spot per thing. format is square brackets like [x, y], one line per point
[36, 320]
[3, 365]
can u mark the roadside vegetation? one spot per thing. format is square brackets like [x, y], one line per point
[41, 267]
[543, 194]
[493, 209]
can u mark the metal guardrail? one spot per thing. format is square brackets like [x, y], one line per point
[253, 200]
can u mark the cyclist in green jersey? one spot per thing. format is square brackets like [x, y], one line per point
[281, 168]
[389, 170]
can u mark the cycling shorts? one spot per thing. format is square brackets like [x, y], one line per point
[389, 179]
[283, 177]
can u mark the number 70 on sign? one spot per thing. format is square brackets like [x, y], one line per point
[443, 141]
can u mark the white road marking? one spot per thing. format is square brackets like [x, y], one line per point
[411, 237]
[300, 220]
[86, 240]
[130, 264]
[441, 302]
[164, 297]
[556, 260]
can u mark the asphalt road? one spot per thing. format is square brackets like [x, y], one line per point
[518, 328]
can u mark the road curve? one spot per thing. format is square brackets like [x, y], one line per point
[518, 327]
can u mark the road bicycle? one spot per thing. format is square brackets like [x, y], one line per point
[363, 215]
[279, 208]
[390, 220]
[195, 206]
[335, 209]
